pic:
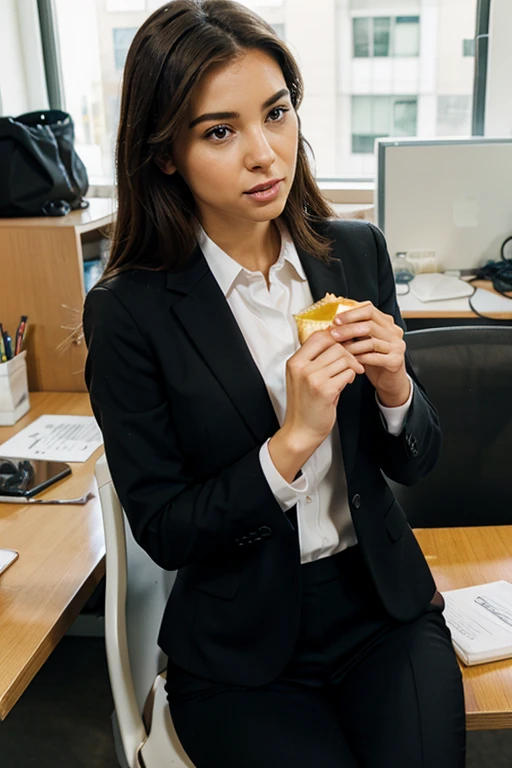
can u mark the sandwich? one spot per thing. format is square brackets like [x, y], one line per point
[320, 315]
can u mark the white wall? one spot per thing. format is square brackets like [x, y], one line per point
[22, 82]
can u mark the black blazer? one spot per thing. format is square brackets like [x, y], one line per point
[184, 411]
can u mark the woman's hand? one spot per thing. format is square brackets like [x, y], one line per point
[315, 377]
[378, 343]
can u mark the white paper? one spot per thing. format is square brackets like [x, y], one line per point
[484, 301]
[55, 438]
[480, 620]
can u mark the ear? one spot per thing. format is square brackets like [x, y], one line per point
[167, 166]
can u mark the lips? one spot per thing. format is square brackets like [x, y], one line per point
[262, 186]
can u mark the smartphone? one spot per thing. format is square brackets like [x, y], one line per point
[7, 558]
[26, 478]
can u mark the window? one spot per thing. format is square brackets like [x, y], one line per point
[362, 37]
[381, 32]
[366, 73]
[383, 36]
[122, 39]
[453, 115]
[407, 36]
[380, 116]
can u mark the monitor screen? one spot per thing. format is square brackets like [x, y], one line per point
[449, 196]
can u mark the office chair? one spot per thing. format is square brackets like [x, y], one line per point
[467, 372]
[136, 594]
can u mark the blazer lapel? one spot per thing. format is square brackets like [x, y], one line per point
[207, 318]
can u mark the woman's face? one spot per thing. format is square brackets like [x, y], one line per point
[222, 157]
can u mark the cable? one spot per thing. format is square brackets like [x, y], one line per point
[500, 274]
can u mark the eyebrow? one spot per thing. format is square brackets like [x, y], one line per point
[236, 115]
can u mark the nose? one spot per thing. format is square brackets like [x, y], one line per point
[259, 153]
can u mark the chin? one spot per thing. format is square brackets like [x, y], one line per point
[270, 211]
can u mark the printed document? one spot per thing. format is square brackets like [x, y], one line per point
[480, 620]
[55, 438]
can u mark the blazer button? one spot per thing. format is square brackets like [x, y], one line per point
[356, 501]
[265, 531]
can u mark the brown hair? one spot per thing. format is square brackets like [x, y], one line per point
[176, 45]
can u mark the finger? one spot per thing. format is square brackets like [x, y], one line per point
[321, 380]
[342, 364]
[363, 312]
[389, 362]
[315, 344]
[370, 344]
[332, 354]
[340, 381]
[329, 355]
[357, 331]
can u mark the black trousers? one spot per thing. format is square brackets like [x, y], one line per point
[360, 691]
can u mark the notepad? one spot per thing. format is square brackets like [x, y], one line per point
[480, 621]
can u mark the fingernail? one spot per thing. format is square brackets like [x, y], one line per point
[336, 333]
[338, 320]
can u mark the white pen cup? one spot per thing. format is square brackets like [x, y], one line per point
[14, 398]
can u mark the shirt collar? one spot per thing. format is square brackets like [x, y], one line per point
[227, 271]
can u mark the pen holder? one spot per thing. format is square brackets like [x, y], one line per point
[14, 399]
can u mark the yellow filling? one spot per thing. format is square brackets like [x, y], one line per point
[325, 312]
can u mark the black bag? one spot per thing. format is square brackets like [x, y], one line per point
[40, 172]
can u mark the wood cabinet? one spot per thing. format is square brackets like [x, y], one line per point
[41, 275]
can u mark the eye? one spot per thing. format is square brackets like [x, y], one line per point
[215, 132]
[281, 113]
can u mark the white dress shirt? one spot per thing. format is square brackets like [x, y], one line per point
[265, 318]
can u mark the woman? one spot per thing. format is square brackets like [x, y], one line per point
[304, 627]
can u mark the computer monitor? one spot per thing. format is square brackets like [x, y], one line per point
[451, 196]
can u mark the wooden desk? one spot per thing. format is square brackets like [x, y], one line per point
[62, 559]
[462, 557]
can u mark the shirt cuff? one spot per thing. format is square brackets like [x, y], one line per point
[286, 494]
[393, 418]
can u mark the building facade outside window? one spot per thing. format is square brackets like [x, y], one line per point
[381, 116]
[383, 36]
[122, 38]
[371, 68]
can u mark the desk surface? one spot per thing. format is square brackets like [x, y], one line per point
[62, 559]
[462, 557]
[486, 300]
[98, 214]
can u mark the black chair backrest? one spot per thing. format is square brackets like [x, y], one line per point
[467, 372]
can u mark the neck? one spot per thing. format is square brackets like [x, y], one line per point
[256, 246]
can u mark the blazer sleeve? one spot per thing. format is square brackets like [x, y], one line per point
[176, 519]
[411, 455]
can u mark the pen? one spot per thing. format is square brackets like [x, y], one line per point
[3, 356]
[8, 346]
[20, 334]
